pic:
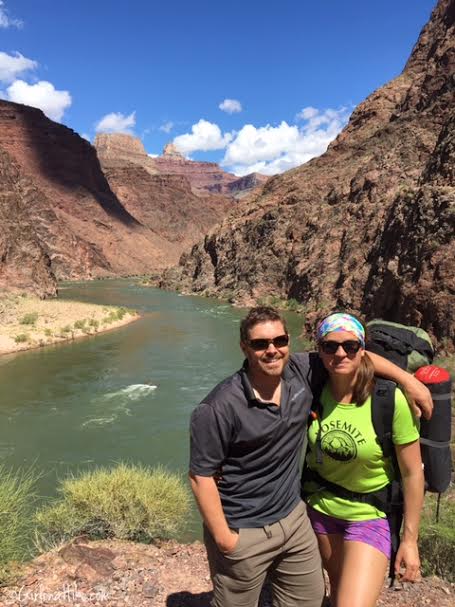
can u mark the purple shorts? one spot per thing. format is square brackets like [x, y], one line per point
[375, 532]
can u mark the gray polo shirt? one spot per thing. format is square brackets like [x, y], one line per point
[255, 447]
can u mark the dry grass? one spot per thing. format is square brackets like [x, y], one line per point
[28, 322]
[129, 502]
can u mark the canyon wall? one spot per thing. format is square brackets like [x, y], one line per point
[369, 225]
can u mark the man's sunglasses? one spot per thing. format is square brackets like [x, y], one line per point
[262, 344]
[350, 346]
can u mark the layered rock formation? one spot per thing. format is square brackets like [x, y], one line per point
[60, 218]
[79, 223]
[120, 149]
[164, 203]
[369, 225]
[24, 262]
[167, 205]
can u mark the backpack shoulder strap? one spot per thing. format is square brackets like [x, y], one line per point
[382, 410]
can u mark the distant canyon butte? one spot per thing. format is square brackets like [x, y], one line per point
[368, 226]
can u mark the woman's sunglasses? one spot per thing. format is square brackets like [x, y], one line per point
[350, 346]
[262, 344]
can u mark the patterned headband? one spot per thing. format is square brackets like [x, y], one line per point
[340, 322]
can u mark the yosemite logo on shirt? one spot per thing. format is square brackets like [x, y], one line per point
[340, 440]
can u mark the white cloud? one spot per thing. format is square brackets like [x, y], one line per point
[12, 66]
[231, 106]
[275, 149]
[7, 21]
[115, 122]
[167, 127]
[42, 95]
[306, 113]
[86, 136]
[204, 136]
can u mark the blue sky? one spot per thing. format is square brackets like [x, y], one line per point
[286, 74]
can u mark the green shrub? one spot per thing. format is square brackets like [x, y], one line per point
[126, 502]
[293, 305]
[94, 323]
[21, 338]
[48, 332]
[437, 540]
[17, 499]
[121, 313]
[65, 329]
[29, 319]
[80, 324]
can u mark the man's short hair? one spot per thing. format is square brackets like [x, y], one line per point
[257, 315]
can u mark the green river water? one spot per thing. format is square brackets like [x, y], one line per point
[125, 395]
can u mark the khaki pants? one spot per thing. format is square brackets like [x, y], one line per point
[286, 550]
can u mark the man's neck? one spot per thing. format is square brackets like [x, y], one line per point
[266, 388]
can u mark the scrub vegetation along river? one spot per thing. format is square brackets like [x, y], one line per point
[133, 502]
[29, 322]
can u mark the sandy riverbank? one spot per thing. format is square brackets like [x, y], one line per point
[28, 322]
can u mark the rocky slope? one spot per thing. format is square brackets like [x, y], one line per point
[79, 223]
[24, 261]
[62, 220]
[121, 574]
[369, 225]
[166, 203]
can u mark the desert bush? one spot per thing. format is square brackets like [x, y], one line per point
[437, 539]
[17, 500]
[29, 319]
[48, 332]
[293, 305]
[80, 324]
[94, 323]
[126, 502]
[121, 313]
[22, 338]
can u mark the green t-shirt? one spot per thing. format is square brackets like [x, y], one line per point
[351, 454]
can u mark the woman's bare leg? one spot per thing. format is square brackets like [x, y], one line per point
[362, 575]
[331, 549]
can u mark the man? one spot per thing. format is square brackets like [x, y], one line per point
[246, 442]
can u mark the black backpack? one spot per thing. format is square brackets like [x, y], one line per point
[408, 347]
[411, 349]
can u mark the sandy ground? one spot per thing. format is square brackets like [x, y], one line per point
[28, 322]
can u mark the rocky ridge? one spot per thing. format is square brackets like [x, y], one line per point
[120, 150]
[369, 225]
[62, 220]
[166, 203]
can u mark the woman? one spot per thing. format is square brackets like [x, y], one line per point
[354, 537]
